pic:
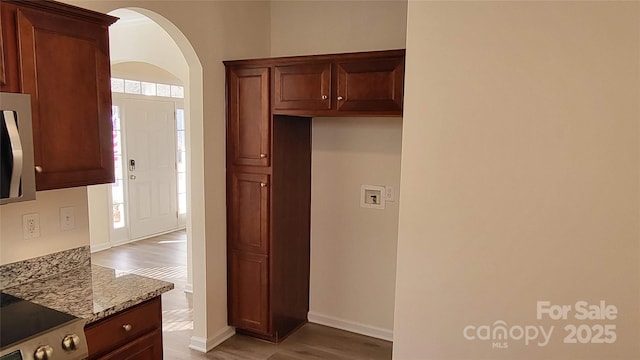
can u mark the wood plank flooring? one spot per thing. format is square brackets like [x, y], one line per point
[165, 257]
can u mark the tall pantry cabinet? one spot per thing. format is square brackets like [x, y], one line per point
[270, 103]
[269, 194]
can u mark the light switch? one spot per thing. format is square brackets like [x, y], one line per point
[67, 218]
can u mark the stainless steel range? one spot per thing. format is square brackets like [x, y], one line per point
[29, 331]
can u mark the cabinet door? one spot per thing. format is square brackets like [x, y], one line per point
[248, 112]
[65, 67]
[3, 76]
[248, 291]
[249, 209]
[9, 73]
[371, 85]
[303, 87]
[146, 347]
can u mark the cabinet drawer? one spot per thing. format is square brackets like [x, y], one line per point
[110, 333]
[148, 346]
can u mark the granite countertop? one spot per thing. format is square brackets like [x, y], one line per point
[90, 291]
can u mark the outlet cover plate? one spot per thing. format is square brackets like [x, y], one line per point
[67, 218]
[30, 226]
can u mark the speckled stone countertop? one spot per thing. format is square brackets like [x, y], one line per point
[90, 291]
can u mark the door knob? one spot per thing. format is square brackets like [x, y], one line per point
[132, 177]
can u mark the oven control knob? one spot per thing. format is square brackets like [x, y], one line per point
[44, 352]
[70, 342]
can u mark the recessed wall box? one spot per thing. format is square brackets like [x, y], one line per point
[372, 196]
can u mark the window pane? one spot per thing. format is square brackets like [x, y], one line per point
[180, 140]
[182, 183]
[182, 163]
[148, 89]
[117, 85]
[115, 117]
[177, 91]
[117, 191]
[180, 119]
[118, 216]
[164, 90]
[182, 203]
[117, 143]
[117, 164]
[132, 87]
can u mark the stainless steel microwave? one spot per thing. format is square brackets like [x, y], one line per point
[17, 177]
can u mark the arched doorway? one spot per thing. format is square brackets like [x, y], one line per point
[193, 109]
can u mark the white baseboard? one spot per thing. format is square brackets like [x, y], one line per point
[100, 247]
[352, 326]
[205, 345]
[188, 288]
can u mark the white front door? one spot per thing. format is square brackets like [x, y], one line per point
[150, 166]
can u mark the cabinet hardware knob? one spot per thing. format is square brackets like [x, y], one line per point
[127, 327]
[38, 169]
[340, 98]
[324, 97]
[263, 184]
[263, 156]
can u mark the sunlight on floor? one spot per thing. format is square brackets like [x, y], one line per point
[177, 320]
[160, 273]
[172, 241]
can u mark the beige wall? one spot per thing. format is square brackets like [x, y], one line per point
[47, 204]
[320, 27]
[520, 176]
[352, 249]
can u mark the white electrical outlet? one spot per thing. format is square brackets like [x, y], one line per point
[67, 218]
[30, 226]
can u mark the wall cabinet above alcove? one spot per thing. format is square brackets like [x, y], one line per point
[352, 84]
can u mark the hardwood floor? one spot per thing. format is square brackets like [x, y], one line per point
[165, 257]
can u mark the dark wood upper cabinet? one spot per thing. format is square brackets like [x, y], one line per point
[356, 84]
[370, 85]
[10, 74]
[3, 75]
[303, 87]
[60, 55]
[248, 116]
